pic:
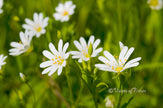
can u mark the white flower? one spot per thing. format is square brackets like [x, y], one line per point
[155, 4]
[57, 59]
[2, 58]
[113, 65]
[23, 45]
[83, 54]
[1, 4]
[64, 11]
[37, 26]
[108, 103]
[22, 76]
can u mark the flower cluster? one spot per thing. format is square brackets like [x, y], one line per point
[57, 59]
[32, 28]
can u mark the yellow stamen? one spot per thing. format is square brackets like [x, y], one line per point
[59, 56]
[38, 29]
[52, 59]
[125, 59]
[87, 56]
[65, 13]
[113, 61]
[55, 62]
[20, 42]
[87, 46]
[154, 2]
[120, 60]
[116, 56]
[112, 67]
[107, 63]
[118, 69]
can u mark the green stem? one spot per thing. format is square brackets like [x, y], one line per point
[70, 89]
[119, 87]
[34, 98]
[80, 92]
[91, 91]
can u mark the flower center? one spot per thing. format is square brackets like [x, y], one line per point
[154, 2]
[38, 29]
[118, 69]
[58, 60]
[85, 54]
[65, 13]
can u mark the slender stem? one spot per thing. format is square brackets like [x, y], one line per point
[91, 91]
[80, 92]
[119, 87]
[34, 98]
[70, 89]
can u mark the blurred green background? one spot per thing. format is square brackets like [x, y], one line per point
[129, 21]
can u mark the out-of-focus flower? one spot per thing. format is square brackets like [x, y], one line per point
[109, 102]
[37, 26]
[22, 76]
[57, 59]
[83, 53]
[2, 58]
[23, 45]
[113, 65]
[1, 4]
[64, 11]
[155, 4]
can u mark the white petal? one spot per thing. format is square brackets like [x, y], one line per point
[122, 53]
[131, 65]
[78, 46]
[45, 64]
[65, 47]
[60, 70]
[66, 55]
[53, 70]
[76, 56]
[28, 21]
[91, 40]
[48, 54]
[80, 60]
[57, 16]
[97, 42]
[46, 70]
[130, 51]
[103, 59]
[95, 53]
[65, 18]
[121, 45]
[110, 57]
[83, 42]
[133, 61]
[53, 49]
[35, 17]
[75, 52]
[60, 45]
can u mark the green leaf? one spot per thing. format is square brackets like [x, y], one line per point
[125, 104]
